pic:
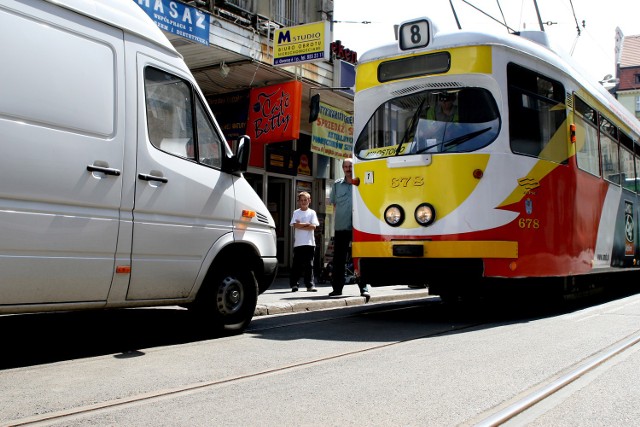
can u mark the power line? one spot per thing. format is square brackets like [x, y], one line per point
[575, 18]
[355, 22]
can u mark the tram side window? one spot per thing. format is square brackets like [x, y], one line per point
[637, 165]
[629, 180]
[536, 114]
[609, 152]
[587, 155]
[627, 174]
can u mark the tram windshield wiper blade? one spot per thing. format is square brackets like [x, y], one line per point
[463, 138]
[412, 126]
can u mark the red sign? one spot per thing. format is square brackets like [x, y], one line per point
[274, 116]
[343, 53]
[274, 113]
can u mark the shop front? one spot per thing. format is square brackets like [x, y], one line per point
[284, 159]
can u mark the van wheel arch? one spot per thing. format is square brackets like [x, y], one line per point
[227, 299]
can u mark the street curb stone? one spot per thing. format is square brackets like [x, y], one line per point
[280, 307]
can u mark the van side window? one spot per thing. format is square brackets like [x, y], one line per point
[170, 119]
[209, 144]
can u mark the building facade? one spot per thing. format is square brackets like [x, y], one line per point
[628, 74]
[231, 47]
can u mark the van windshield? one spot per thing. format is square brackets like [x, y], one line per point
[434, 121]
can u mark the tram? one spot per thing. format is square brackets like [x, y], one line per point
[484, 160]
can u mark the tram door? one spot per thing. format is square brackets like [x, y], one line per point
[280, 206]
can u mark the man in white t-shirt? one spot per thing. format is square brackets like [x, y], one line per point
[304, 222]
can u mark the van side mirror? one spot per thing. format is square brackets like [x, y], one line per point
[243, 150]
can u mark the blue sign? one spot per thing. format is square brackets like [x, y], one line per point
[178, 18]
[346, 75]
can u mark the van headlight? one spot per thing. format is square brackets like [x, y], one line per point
[425, 214]
[394, 215]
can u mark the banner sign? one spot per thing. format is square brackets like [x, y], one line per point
[302, 43]
[332, 132]
[178, 18]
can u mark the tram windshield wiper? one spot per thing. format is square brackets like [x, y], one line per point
[412, 126]
[462, 138]
[446, 145]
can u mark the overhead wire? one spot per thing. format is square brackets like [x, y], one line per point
[455, 15]
[575, 41]
[501, 12]
[504, 24]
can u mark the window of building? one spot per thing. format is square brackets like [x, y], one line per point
[286, 11]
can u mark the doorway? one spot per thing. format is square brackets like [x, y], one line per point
[279, 203]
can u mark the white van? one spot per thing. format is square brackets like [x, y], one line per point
[117, 187]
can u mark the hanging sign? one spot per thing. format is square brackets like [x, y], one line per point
[274, 116]
[274, 112]
[302, 43]
[332, 132]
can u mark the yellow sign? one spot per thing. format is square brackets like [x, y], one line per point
[332, 132]
[302, 43]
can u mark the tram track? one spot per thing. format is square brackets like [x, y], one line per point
[506, 412]
[59, 417]
[529, 399]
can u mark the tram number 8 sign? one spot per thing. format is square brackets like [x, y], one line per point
[414, 34]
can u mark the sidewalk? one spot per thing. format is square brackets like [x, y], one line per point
[279, 299]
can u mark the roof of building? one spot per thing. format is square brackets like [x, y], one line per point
[630, 54]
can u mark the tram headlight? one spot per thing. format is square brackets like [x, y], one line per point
[425, 214]
[394, 215]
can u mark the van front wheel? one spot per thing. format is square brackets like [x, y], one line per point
[228, 301]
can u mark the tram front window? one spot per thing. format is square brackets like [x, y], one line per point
[436, 121]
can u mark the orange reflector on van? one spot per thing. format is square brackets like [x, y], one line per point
[246, 213]
[123, 269]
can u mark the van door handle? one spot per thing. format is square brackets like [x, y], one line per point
[146, 177]
[106, 171]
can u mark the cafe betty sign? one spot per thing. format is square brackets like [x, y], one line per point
[332, 133]
[274, 113]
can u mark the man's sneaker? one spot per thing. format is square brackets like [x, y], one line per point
[311, 289]
[294, 289]
[364, 292]
[335, 294]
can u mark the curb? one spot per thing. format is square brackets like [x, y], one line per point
[347, 301]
